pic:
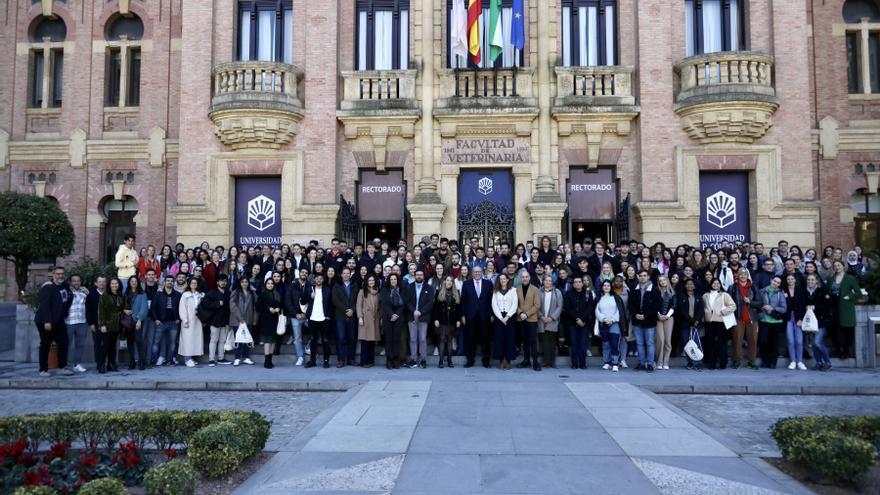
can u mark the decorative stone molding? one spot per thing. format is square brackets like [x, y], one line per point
[727, 122]
[602, 86]
[124, 7]
[4, 149]
[378, 130]
[156, 146]
[588, 131]
[77, 148]
[829, 138]
[726, 96]
[255, 104]
[118, 189]
[497, 124]
[45, 121]
[121, 119]
[46, 7]
[40, 188]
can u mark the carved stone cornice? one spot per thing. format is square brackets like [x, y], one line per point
[727, 122]
[592, 128]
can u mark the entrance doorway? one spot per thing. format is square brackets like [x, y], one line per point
[581, 230]
[119, 215]
[389, 231]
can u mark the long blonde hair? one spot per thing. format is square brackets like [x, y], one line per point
[665, 290]
[441, 294]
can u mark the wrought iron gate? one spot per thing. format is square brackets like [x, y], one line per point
[490, 222]
[621, 223]
[347, 223]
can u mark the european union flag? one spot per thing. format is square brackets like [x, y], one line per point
[518, 34]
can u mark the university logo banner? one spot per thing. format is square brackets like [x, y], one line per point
[477, 186]
[724, 208]
[258, 211]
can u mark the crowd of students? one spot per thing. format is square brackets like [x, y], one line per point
[192, 305]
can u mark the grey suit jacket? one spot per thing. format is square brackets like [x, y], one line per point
[553, 311]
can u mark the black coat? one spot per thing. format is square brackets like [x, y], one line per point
[158, 308]
[308, 299]
[343, 302]
[55, 302]
[682, 318]
[217, 303]
[822, 305]
[389, 307]
[474, 307]
[267, 300]
[447, 312]
[579, 305]
[647, 308]
[293, 298]
[426, 302]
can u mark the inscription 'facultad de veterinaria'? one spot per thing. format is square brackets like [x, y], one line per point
[485, 150]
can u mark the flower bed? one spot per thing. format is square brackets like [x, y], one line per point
[38, 450]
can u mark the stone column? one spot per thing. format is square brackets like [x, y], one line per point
[546, 208]
[426, 209]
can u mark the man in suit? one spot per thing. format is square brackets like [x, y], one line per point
[476, 306]
[318, 313]
[528, 304]
[419, 303]
[344, 305]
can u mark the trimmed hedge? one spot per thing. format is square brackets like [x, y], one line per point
[103, 486]
[174, 477]
[35, 490]
[160, 429]
[841, 448]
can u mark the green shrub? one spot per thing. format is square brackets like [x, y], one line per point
[840, 448]
[103, 486]
[219, 448]
[174, 477]
[35, 490]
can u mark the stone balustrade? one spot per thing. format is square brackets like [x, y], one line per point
[597, 85]
[712, 76]
[378, 89]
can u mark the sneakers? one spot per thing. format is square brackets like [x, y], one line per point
[248, 361]
[79, 368]
[211, 363]
[614, 368]
[802, 366]
[411, 364]
[436, 351]
[665, 366]
[299, 361]
[66, 372]
[423, 364]
[237, 362]
[159, 361]
[308, 350]
[606, 366]
[45, 374]
[623, 363]
[690, 366]
[649, 368]
[192, 364]
[792, 365]
[382, 353]
[224, 361]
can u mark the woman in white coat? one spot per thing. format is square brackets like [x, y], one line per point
[504, 305]
[191, 338]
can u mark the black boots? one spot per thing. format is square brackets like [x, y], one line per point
[267, 363]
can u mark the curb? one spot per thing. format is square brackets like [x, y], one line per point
[291, 386]
[760, 390]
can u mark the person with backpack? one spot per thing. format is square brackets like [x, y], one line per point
[215, 312]
[191, 338]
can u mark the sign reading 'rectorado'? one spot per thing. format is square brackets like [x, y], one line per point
[485, 150]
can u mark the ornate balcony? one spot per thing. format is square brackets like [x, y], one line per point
[256, 104]
[378, 92]
[726, 96]
[490, 98]
[592, 104]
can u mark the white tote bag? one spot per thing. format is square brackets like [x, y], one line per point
[810, 323]
[692, 348]
[230, 342]
[282, 325]
[729, 321]
[243, 335]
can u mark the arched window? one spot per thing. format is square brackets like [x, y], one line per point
[589, 32]
[123, 80]
[382, 34]
[714, 26]
[265, 30]
[46, 63]
[862, 46]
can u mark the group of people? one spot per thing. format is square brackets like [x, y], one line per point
[535, 301]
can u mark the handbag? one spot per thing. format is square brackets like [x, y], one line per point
[282, 325]
[230, 342]
[243, 335]
[126, 322]
[729, 321]
[810, 323]
[596, 328]
[693, 348]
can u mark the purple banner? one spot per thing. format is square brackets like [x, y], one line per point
[592, 194]
[380, 196]
[257, 211]
[724, 208]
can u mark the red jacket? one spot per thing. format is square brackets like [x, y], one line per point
[144, 264]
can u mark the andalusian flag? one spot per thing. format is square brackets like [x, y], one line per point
[496, 41]
[475, 10]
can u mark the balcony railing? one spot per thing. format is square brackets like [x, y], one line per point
[485, 90]
[378, 89]
[725, 75]
[245, 83]
[599, 85]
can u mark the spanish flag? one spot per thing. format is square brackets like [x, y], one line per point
[475, 10]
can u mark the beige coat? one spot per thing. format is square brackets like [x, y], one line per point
[368, 314]
[724, 305]
[530, 304]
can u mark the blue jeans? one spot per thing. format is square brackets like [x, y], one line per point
[346, 338]
[164, 340]
[610, 343]
[148, 332]
[644, 344]
[795, 338]
[76, 341]
[242, 351]
[297, 331]
[820, 352]
[579, 339]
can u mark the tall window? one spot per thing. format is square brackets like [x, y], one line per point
[862, 46]
[123, 64]
[714, 26]
[510, 56]
[589, 33]
[47, 63]
[265, 30]
[382, 34]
